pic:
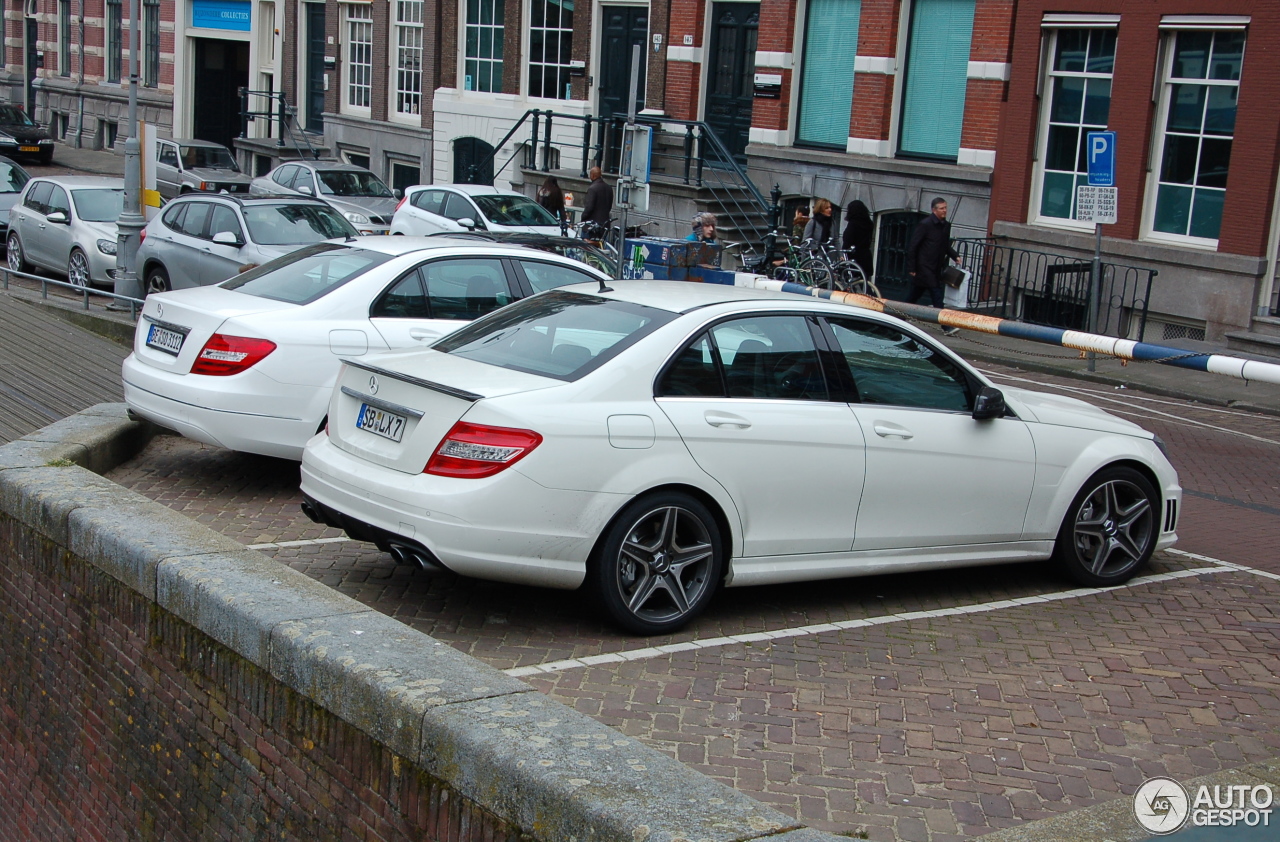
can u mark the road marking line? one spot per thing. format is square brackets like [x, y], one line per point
[821, 628]
[1243, 568]
[307, 543]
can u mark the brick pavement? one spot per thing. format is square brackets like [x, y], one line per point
[933, 729]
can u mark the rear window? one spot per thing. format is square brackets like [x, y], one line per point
[556, 334]
[288, 225]
[307, 274]
[514, 210]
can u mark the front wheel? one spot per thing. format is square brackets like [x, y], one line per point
[78, 269]
[659, 564]
[16, 259]
[157, 280]
[1110, 530]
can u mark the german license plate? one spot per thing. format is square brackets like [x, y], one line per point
[163, 339]
[28, 148]
[380, 422]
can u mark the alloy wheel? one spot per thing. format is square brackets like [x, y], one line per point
[78, 269]
[665, 565]
[1114, 528]
[14, 253]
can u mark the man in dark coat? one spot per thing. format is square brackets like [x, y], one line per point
[599, 200]
[927, 255]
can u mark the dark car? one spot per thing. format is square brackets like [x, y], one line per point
[12, 179]
[569, 247]
[21, 136]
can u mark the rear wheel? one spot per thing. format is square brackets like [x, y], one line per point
[1110, 530]
[157, 280]
[16, 259]
[659, 564]
[78, 269]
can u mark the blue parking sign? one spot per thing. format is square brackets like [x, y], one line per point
[1100, 150]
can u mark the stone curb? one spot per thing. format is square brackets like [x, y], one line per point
[554, 772]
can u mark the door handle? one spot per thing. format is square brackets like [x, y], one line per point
[892, 430]
[726, 419]
[422, 334]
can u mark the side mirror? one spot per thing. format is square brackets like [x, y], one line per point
[227, 238]
[468, 223]
[58, 218]
[306, 188]
[988, 404]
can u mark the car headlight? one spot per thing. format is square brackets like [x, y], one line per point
[4, 138]
[1160, 444]
[356, 218]
[107, 246]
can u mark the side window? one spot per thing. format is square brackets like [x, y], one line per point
[429, 200]
[38, 196]
[458, 207]
[404, 300]
[466, 288]
[770, 357]
[168, 155]
[544, 276]
[693, 373]
[58, 201]
[173, 216]
[892, 367]
[194, 222]
[224, 219]
[284, 176]
[303, 179]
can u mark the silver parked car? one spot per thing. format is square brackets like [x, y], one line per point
[67, 224]
[358, 194]
[199, 240]
[12, 179]
[185, 166]
[449, 208]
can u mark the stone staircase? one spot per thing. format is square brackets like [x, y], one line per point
[1262, 338]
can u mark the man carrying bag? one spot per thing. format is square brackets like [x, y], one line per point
[927, 256]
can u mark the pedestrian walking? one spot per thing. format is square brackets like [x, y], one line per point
[859, 229]
[599, 202]
[798, 222]
[551, 197]
[819, 227]
[927, 256]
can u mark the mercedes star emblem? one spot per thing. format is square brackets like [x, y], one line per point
[373, 384]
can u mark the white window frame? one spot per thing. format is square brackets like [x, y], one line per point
[1169, 36]
[527, 52]
[1047, 75]
[400, 29]
[463, 58]
[357, 76]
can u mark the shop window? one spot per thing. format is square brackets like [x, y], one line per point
[937, 74]
[1077, 100]
[550, 47]
[408, 57]
[359, 69]
[482, 64]
[1196, 126]
[404, 176]
[826, 76]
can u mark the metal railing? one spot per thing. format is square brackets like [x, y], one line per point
[1053, 289]
[7, 275]
[283, 114]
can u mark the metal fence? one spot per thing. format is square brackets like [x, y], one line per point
[1053, 289]
[8, 275]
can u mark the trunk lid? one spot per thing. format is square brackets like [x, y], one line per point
[193, 315]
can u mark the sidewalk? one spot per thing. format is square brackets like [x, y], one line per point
[88, 161]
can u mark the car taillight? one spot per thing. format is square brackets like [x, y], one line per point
[223, 355]
[400, 203]
[472, 451]
[142, 236]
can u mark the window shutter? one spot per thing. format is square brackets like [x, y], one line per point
[826, 85]
[937, 76]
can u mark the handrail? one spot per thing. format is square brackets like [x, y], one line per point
[283, 115]
[135, 304]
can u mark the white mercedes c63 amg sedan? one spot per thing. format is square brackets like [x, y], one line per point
[660, 440]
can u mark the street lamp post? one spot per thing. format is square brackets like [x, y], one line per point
[132, 220]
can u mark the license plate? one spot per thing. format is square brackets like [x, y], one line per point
[380, 422]
[163, 339]
[28, 148]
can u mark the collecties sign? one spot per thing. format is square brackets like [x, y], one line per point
[221, 14]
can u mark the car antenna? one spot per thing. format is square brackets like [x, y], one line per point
[603, 289]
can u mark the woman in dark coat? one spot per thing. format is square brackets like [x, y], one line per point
[858, 233]
[551, 197]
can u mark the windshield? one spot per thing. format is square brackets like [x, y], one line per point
[211, 157]
[514, 210]
[13, 115]
[556, 334]
[288, 225]
[12, 177]
[352, 183]
[307, 274]
[104, 204]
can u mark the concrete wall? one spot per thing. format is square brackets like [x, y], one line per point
[164, 682]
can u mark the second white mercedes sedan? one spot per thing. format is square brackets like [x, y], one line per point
[659, 440]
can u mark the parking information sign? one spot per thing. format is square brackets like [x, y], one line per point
[1096, 204]
[1101, 148]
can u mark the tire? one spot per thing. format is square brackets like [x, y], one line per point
[815, 272]
[78, 269]
[157, 281]
[1110, 530]
[46, 158]
[659, 563]
[15, 257]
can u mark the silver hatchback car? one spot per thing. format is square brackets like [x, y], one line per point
[202, 239]
[357, 193]
[67, 224]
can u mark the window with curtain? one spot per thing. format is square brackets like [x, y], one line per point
[115, 49]
[151, 43]
[550, 46]
[408, 57]
[1197, 124]
[482, 62]
[359, 55]
[937, 74]
[826, 75]
[64, 37]
[1077, 101]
